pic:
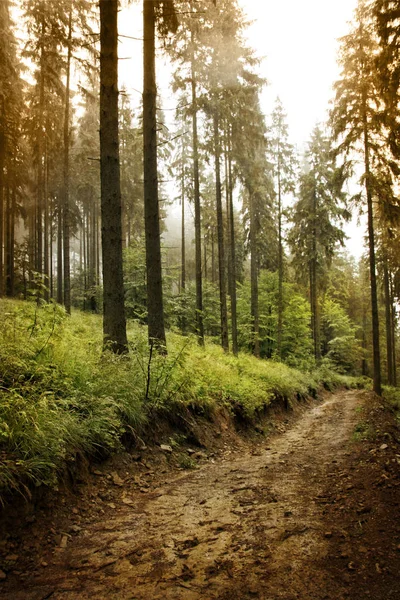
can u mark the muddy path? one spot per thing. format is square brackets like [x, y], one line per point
[251, 524]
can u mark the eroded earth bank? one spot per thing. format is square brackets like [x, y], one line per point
[310, 513]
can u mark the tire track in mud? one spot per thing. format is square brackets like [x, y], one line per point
[249, 526]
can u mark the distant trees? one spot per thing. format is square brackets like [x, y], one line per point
[317, 216]
[284, 160]
[11, 109]
[245, 269]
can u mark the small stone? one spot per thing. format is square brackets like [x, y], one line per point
[3, 576]
[328, 534]
[12, 557]
[75, 511]
[127, 500]
[44, 563]
[97, 472]
[190, 451]
[64, 542]
[166, 448]
[116, 479]
[199, 455]
[383, 447]
[30, 519]
[75, 528]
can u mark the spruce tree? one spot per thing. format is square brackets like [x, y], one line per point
[359, 129]
[316, 219]
[282, 155]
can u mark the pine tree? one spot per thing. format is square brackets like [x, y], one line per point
[11, 108]
[249, 150]
[284, 160]
[317, 217]
[358, 127]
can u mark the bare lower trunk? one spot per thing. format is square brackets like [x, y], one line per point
[372, 262]
[197, 208]
[114, 323]
[254, 279]
[232, 253]
[220, 230]
[388, 322]
[280, 263]
[2, 164]
[155, 309]
[66, 207]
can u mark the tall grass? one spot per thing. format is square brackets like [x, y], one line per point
[60, 396]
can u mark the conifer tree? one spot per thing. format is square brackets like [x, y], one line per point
[317, 217]
[358, 127]
[283, 157]
[11, 109]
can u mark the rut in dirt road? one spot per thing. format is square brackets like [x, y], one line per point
[248, 526]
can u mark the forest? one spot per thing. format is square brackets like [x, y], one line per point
[198, 380]
[107, 317]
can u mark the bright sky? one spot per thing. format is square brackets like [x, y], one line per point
[298, 43]
[297, 40]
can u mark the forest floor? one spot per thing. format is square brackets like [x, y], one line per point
[308, 511]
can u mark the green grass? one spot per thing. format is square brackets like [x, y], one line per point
[60, 397]
[392, 397]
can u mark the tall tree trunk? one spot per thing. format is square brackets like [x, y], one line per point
[389, 329]
[213, 261]
[254, 278]
[372, 260]
[93, 232]
[280, 259]
[197, 208]
[314, 283]
[232, 250]
[183, 241]
[40, 174]
[85, 261]
[12, 231]
[114, 322]
[393, 321]
[7, 236]
[46, 253]
[155, 309]
[220, 231]
[2, 164]
[60, 297]
[66, 207]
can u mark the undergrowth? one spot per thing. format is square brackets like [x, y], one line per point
[61, 397]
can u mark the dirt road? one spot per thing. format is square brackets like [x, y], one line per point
[252, 524]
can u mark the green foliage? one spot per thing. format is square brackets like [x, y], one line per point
[61, 396]
[327, 375]
[296, 338]
[339, 336]
[392, 397]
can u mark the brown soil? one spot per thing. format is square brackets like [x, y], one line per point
[311, 513]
